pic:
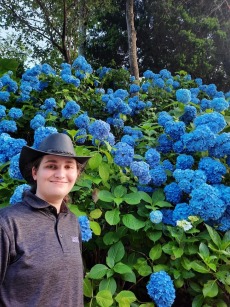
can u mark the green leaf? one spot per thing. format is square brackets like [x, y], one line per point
[198, 266]
[168, 248]
[195, 286]
[119, 191]
[125, 298]
[122, 268]
[95, 161]
[226, 240]
[110, 238]
[110, 262]
[104, 171]
[98, 271]
[132, 223]
[204, 251]
[214, 235]
[108, 284]
[186, 263]
[154, 236]
[210, 289]
[95, 214]
[104, 298]
[96, 228]
[113, 216]
[158, 195]
[163, 204]
[130, 277]
[145, 197]
[198, 301]
[177, 251]
[132, 198]
[105, 196]
[117, 252]
[155, 252]
[87, 288]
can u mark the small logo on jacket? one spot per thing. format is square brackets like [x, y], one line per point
[75, 239]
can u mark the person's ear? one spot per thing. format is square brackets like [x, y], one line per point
[34, 173]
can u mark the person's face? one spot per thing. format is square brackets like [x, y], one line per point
[55, 177]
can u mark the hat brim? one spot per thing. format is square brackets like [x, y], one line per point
[29, 154]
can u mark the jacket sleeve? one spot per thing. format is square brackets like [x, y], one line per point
[4, 253]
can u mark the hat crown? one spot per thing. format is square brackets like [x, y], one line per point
[57, 143]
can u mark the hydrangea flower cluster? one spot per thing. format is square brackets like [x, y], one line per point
[161, 289]
[86, 232]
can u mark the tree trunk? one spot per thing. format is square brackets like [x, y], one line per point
[132, 39]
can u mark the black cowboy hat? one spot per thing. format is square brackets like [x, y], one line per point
[58, 144]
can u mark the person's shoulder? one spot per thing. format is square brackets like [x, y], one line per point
[11, 210]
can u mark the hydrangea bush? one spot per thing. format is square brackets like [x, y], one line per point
[154, 201]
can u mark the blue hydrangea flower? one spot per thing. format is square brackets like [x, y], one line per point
[224, 221]
[141, 170]
[123, 154]
[41, 133]
[14, 171]
[189, 114]
[18, 193]
[156, 216]
[134, 88]
[173, 193]
[133, 132]
[224, 193]
[148, 74]
[176, 84]
[221, 146]
[158, 175]
[167, 165]
[184, 161]
[213, 169]
[175, 129]
[70, 79]
[161, 290]
[110, 139]
[159, 83]
[8, 126]
[99, 130]
[214, 121]
[82, 121]
[71, 108]
[152, 157]
[211, 90]
[206, 202]
[219, 104]
[80, 63]
[37, 121]
[200, 139]
[181, 212]
[47, 69]
[10, 84]
[15, 113]
[198, 81]
[129, 139]
[4, 96]
[165, 74]
[50, 104]
[2, 111]
[183, 95]
[145, 87]
[81, 136]
[120, 93]
[165, 144]
[168, 217]
[86, 232]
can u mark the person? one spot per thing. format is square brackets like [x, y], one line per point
[40, 247]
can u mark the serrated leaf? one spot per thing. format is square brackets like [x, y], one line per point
[112, 216]
[119, 191]
[210, 289]
[155, 252]
[214, 235]
[199, 267]
[104, 298]
[104, 170]
[122, 268]
[105, 196]
[145, 197]
[98, 271]
[130, 277]
[108, 284]
[95, 161]
[95, 227]
[132, 222]
[117, 251]
[95, 214]
[87, 288]
[132, 198]
[125, 298]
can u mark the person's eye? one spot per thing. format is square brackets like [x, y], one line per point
[51, 166]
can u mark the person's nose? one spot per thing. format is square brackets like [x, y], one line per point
[59, 173]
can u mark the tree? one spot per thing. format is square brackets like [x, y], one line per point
[54, 29]
[132, 39]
